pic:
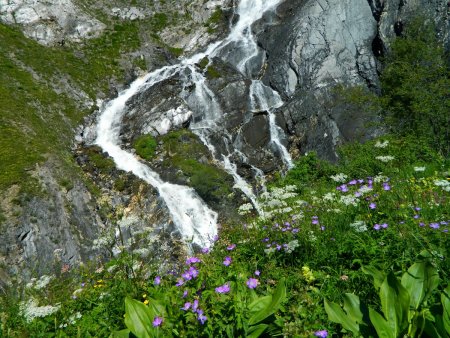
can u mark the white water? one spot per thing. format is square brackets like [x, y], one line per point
[193, 218]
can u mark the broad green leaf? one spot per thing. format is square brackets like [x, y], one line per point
[337, 315]
[395, 304]
[420, 281]
[377, 275]
[278, 297]
[120, 334]
[381, 325]
[353, 307]
[445, 299]
[260, 304]
[156, 308]
[256, 330]
[138, 318]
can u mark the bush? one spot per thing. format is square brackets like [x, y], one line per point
[145, 146]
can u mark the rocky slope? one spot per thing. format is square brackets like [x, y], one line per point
[306, 48]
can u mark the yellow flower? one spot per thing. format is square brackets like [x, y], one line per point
[146, 302]
[307, 274]
[144, 295]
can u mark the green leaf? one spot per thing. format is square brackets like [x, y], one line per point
[138, 318]
[353, 307]
[445, 299]
[420, 281]
[156, 308]
[395, 304]
[377, 275]
[337, 315]
[260, 303]
[278, 297]
[256, 330]
[381, 325]
[120, 334]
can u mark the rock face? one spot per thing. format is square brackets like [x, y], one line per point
[314, 45]
[50, 22]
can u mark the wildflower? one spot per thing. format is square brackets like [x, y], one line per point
[157, 280]
[344, 278]
[353, 182]
[231, 247]
[385, 159]
[195, 305]
[421, 224]
[227, 261]
[386, 186]
[434, 225]
[157, 321]
[372, 205]
[186, 275]
[322, 228]
[384, 225]
[186, 306]
[343, 188]
[377, 227]
[146, 302]
[416, 216]
[192, 260]
[257, 273]
[193, 272]
[180, 282]
[205, 250]
[223, 288]
[359, 226]
[278, 247]
[315, 220]
[339, 178]
[322, 333]
[185, 293]
[202, 318]
[381, 144]
[307, 274]
[419, 169]
[252, 283]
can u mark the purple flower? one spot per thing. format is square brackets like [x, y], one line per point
[231, 247]
[386, 186]
[186, 275]
[205, 250]
[157, 321]
[227, 261]
[352, 182]
[416, 216]
[417, 208]
[202, 318]
[445, 230]
[360, 181]
[384, 225]
[193, 272]
[192, 260]
[180, 281]
[216, 238]
[82, 285]
[372, 205]
[434, 225]
[377, 227]
[195, 305]
[252, 283]
[265, 239]
[421, 224]
[278, 247]
[223, 288]
[157, 280]
[257, 273]
[185, 293]
[295, 230]
[357, 194]
[186, 306]
[444, 223]
[322, 228]
[344, 188]
[321, 334]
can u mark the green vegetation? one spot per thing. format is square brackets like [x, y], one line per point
[189, 157]
[145, 146]
[328, 234]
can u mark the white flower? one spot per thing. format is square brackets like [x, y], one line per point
[329, 196]
[30, 310]
[245, 208]
[269, 250]
[291, 246]
[443, 183]
[380, 178]
[349, 200]
[340, 178]
[381, 144]
[364, 189]
[419, 168]
[385, 159]
[359, 226]
[312, 237]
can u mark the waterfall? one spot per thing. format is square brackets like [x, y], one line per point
[194, 220]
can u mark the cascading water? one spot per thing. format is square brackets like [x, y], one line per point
[193, 218]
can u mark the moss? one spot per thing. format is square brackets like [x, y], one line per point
[212, 73]
[187, 157]
[99, 160]
[145, 146]
[203, 62]
[176, 51]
